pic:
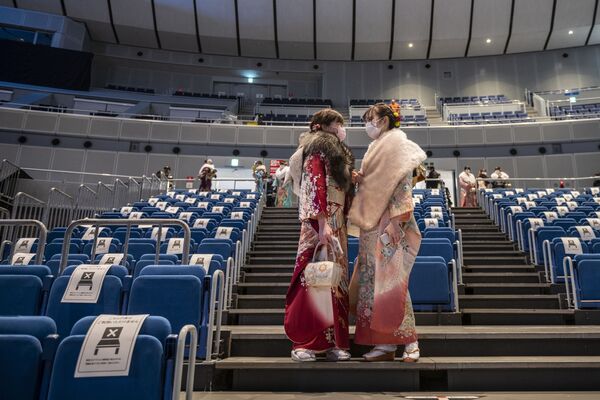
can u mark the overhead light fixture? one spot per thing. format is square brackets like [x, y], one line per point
[570, 32]
[488, 40]
[235, 162]
[410, 45]
[250, 80]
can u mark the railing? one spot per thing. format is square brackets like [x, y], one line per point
[17, 225]
[104, 198]
[86, 202]
[134, 190]
[26, 207]
[59, 209]
[120, 194]
[97, 223]
[9, 174]
[146, 191]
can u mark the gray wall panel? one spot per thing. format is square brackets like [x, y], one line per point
[133, 164]
[250, 135]
[194, 133]
[67, 160]
[526, 134]
[472, 135]
[9, 152]
[99, 162]
[443, 137]
[498, 135]
[559, 166]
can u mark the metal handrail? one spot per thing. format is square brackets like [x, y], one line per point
[216, 278]
[42, 234]
[187, 330]
[78, 172]
[59, 208]
[25, 206]
[97, 223]
[120, 193]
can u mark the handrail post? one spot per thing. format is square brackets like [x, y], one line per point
[42, 235]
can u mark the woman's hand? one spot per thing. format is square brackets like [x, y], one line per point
[325, 231]
[357, 177]
[394, 233]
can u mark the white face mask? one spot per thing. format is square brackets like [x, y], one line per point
[372, 130]
[341, 133]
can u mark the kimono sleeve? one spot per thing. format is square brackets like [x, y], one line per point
[401, 201]
[314, 186]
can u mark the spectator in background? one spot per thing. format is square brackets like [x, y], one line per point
[433, 178]
[259, 172]
[164, 173]
[482, 175]
[283, 185]
[395, 106]
[206, 174]
[467, 184]
[499, 174]
[596, 182]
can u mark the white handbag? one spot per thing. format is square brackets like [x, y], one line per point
[323, 273]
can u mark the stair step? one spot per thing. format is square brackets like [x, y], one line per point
[254, 301]
[506, 288]
[291, 259]
[501, 277]
[502, 260]
[443, 341]
[274, 316]
[499, 268]
[494, 252]
[263, 288]
[266, 277]
[460, 373]
[518, 316]
[507, 301]
[267, 268]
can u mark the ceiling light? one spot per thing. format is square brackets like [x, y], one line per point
[235, 162]
[250, 80]
[410, 45]
[570, 32]
[488, 40]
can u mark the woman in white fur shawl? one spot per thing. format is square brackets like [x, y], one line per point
[389, 239]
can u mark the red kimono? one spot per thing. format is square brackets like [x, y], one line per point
[313, 321]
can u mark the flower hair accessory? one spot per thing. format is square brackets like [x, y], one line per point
[396, 119]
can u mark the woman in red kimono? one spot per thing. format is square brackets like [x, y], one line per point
[316, 321]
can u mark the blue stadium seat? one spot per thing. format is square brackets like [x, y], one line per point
[67, 314]
[27, 346]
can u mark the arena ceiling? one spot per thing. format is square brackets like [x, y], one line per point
[335, 29]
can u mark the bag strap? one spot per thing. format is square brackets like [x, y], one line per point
[328, 246]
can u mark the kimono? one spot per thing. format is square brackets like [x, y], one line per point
[284, 188]
[260, 173]
[380, 283]
[468, 193]
[378, 294]
[314, 320]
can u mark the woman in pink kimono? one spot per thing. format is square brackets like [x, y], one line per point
[316, 321]
[468, 191]
[389, 240]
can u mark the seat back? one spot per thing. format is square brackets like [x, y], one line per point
[156, 295]
[145, 379]
[67, 314]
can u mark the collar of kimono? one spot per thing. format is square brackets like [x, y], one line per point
[388, 160]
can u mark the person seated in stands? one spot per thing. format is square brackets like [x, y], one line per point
[483, 184]
[389, 240]
[206, 174]
[316, 312]
[499, 174]
[467, 184]
[433, 178]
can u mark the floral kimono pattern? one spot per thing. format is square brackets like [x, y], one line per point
[318, 321]
[284, 194]
[379, 294]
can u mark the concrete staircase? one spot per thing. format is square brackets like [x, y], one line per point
[511, 333]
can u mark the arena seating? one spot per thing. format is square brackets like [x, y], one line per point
[560, 230]
[147, 282]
